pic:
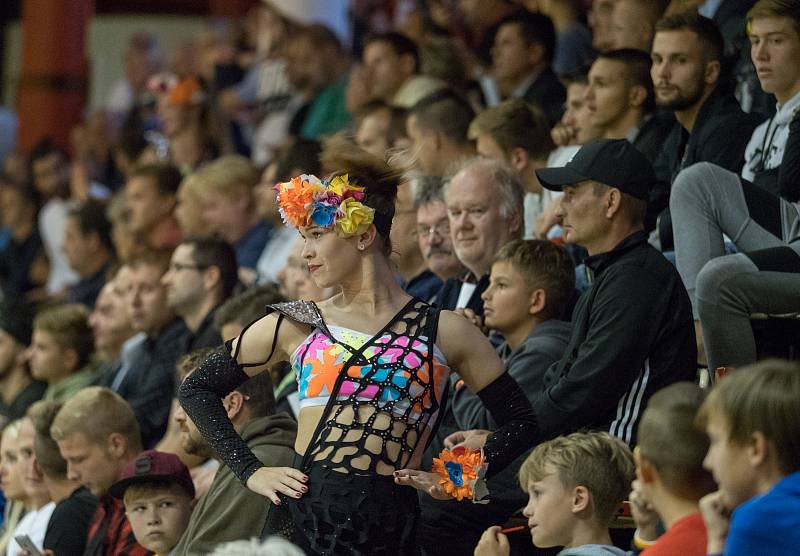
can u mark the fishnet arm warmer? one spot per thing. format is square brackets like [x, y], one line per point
[518, 429]
[201, 395]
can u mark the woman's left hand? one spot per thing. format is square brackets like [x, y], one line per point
[421, 480]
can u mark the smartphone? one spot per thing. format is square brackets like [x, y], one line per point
[27, 544]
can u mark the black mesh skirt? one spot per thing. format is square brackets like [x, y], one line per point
[354, 514]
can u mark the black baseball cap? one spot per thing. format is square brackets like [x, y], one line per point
[613, 162]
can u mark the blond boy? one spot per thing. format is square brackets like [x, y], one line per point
[752, 419]
[158, 494]
[575, 485]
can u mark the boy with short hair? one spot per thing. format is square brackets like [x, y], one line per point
[672, 480]
[61, 349]
[751, 419]
[575, 485]
[158, 493]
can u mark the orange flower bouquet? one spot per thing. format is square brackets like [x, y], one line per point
[462, 473]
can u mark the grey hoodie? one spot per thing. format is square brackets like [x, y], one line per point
[594, 550]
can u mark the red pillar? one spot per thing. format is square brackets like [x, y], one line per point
[53, 86]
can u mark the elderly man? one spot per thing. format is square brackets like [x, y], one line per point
[485, 208]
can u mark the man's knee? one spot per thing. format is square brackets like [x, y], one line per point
[717, 281]
[699, 181]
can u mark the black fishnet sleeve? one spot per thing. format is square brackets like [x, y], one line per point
[518, 430]
[201, 395]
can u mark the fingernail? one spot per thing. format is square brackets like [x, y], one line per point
[304, 489]
[277, 502]
[298, 495]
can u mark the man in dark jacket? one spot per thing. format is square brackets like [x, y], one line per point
[632, 332]
[229, 510]
[711, 127]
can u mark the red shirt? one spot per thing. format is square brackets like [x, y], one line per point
[110, 532]
[686, 537]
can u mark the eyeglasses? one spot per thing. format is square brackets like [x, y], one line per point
[442, 229]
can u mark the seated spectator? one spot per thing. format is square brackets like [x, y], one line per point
[182, 110]
[522, 58]
[61, 349]
[755, 459]
[575, 485]
[89, 250]
[711, 127]
[150, 199]
[484, 204]
[18, 389]
[600, 22]
[530, 287]
[49, 170]
[11, 481]
[621, 101]
[573, 50]
[201, 275]
[40, 507]
[189, 208]
[633, 23]
[433, 230]
[483, 20]
[302, 157]
[391, 73]
[24, 266]
[158, 494]
[760, 218]
[97, 434]
[670, 477]
[149, 383]
[226, 189]
[576, 127]
[229, 510]
[111, 325]
[74, 504]
[317, 67]
[516, 134]
[415, 277]
[437, 127]
[381, 127]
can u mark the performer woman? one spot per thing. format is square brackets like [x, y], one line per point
[372, 366]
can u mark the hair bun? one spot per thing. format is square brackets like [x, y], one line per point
[342, 156]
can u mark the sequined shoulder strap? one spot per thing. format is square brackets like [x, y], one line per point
[305, 312]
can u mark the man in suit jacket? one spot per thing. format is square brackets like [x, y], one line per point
[485, 207]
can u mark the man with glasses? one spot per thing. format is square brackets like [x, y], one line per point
[201, 276]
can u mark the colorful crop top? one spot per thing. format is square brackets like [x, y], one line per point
[387, 388]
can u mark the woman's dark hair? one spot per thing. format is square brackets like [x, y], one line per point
[341, 156]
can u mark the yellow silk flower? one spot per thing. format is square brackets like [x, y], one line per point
[355, 217]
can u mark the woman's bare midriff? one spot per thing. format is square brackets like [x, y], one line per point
[310, 416]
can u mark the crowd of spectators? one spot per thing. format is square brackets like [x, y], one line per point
[608, 189]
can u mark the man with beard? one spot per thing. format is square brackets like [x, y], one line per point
[711, 127]
[229, 510]
[202, 274]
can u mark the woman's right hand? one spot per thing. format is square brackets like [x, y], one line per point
[271, 481]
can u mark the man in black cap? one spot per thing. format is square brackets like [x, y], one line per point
[632, 329]
[18, 390]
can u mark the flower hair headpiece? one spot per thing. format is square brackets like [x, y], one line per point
[307, 200]
[461, 473]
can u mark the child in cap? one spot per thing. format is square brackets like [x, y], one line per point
[158, 494]
[752, 418]
[575, 485]
[670, 475]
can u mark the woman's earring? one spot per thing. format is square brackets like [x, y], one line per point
[360, 246]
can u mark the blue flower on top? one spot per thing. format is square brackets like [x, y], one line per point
[455, 471]
[323, 215]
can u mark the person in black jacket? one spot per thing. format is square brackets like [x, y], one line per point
[711, 127]
[632, 330]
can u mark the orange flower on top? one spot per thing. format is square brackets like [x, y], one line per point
[295, 197]
[458, 469]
